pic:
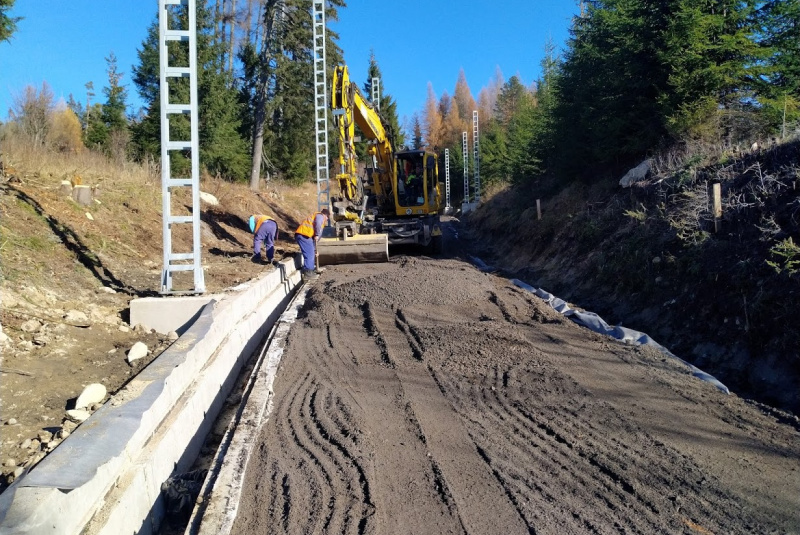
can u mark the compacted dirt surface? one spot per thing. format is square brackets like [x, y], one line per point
[425, 396]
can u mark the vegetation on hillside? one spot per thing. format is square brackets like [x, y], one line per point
[637, 78]
[720, 293]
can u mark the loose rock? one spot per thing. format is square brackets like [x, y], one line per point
[93, 393]
[77, 415]
[139, 350]
[76, 317]
[68, 425]
[31, 326]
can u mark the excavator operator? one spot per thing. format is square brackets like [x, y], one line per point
[414, 185]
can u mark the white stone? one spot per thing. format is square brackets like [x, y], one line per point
[172, 335]
[93, 393]
[11, 421]
[8, 300]
[139, 350]
[77, 416]
[208, 198]
[636, 174]
[31, 326]
[124, 329]
[76, 316]
[108, 290]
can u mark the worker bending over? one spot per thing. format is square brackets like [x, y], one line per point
[307, 235]
[265, 232]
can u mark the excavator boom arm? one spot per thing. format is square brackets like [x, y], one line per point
[351, 108]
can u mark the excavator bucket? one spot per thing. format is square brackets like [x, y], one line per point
[358, 249]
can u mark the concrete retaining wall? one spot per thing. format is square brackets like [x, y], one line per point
[105, 478]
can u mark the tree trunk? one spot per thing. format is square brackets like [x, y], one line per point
[217, 21]
[248, 21]
[224, 31]
[232, 42]
[261, 93]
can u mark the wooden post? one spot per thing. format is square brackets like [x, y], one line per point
[717, 194]
[538, 209]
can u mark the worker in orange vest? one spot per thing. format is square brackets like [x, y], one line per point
[265, 232]
[307, 235]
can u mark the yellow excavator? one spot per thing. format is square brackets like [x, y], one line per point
[397, 201]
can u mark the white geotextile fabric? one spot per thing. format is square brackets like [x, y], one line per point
[597, 324]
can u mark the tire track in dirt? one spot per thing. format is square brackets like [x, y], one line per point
[483, 506]
[322, 425]
[425, 397]
[316, 484]
[598, 473]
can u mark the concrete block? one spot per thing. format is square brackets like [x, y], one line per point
[105, 477]
[165, 314]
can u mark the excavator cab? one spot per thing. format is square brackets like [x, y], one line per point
[417, 191]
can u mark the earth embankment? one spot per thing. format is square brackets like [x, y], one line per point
[424, 396]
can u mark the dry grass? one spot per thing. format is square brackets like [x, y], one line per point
[51, 167]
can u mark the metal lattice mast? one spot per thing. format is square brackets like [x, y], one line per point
[447, 176]
[182, 261]
[466, 165]
[475, 158]
[321, 107]
[376, 93]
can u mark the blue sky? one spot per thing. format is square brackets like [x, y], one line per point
[66, 43]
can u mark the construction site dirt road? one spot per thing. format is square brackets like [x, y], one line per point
[424, 396]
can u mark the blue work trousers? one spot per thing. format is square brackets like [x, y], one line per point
[307, 248]
[265, 236]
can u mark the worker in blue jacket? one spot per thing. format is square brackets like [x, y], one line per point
[265, 232]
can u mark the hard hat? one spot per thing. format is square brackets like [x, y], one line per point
[252, 223]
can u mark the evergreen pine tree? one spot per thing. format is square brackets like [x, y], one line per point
[387, 106]
[779, 36]
[8, 25]
[283, 96]
[223, 150]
